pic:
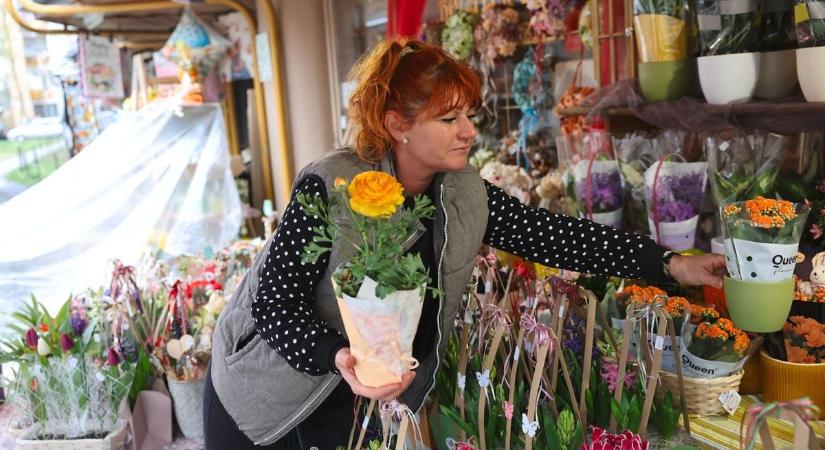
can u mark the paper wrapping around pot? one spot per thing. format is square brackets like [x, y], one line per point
[381, 332]
[660, 38]
[757, 261]
[610, 218]
[677, 236]
[696, 367]
[602, 167]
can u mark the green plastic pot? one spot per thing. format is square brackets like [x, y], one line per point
[759, 306]
[666, 80]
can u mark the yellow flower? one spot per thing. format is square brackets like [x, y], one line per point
[340, 182]
[375, 194]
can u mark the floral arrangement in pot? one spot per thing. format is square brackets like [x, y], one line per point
[728, 64]
[674, 192]
[761, 244]
[809, 16]
[380, 289]
[593, 178]
[665, 72]
[70, 380]
[777, 43]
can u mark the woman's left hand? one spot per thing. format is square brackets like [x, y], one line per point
[699, 270]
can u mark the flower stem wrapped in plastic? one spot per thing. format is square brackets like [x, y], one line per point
[743, 167]
[661, 32]
[727, 27]
[809, 16]
[762, 238]
[380, 289]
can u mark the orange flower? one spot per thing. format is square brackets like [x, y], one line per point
[815, 339]
[676, 306]
[375, 194]
[805, 326]
[731, 210]
[44, 328]
[798, 355]
[741, 343]
[340, 182]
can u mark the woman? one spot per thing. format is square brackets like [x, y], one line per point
[281, 374]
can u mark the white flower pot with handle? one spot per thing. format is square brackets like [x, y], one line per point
[777, 74]
[729, 78]
[810, 68]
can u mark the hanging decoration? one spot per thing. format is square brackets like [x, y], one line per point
[195, 47]
[457, 37]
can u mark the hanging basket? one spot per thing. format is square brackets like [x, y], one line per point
[702, 394]
[115, 440]
[187, 398]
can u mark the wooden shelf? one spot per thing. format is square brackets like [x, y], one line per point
[694, 115]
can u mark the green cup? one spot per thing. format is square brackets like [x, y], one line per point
[666, 80]
[759, 306]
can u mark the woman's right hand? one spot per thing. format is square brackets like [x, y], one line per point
[345, 363]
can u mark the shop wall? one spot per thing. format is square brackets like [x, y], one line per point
[303, 51]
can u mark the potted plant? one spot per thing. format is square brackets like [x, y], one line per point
[380, 290]
[665, 71]
[761, 244]
[728, 64]
[70, 381]
[795, 362]
[810, 56]
[777, 43]
[674, 193]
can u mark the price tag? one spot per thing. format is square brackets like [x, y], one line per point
[561, 311]
[660, 343]
[724, 145]
[366, 422]
[730, 401]
[488, 287]
[517, 354]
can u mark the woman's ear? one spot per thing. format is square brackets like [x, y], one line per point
[396, 125]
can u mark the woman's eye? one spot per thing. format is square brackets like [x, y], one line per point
[448, 119]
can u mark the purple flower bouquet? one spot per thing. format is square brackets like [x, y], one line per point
[599, 191]
[674, 193]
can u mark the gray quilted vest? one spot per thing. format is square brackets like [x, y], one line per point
[267, 397]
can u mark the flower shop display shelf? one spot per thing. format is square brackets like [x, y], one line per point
[691, 114]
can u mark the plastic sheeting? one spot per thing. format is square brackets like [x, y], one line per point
[154, 180]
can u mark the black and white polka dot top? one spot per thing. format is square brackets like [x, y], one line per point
[283, 306]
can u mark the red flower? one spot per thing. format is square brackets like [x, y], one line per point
[31, 339]
[66, 343]
[112, 358]
[44, 328]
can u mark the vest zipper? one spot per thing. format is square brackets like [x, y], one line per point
[440, 286]
[298, 414]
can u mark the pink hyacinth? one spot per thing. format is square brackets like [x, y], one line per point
[508, 410]
[610, 375]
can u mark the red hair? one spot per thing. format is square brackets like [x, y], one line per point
[410, 78]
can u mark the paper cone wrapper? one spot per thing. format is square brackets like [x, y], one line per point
[381, 332]
[677, 236]
[758, 261]
[660, 38]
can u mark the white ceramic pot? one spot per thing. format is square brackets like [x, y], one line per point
[728, 78]
[777, 74]
[810, 67]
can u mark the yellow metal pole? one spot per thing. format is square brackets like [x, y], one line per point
[284, 141]
[24, 24]
[144, 6]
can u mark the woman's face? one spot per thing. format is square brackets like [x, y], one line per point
[441, 143]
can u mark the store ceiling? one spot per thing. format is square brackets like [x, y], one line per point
[159, 21]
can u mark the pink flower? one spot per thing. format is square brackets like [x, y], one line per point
[601, 440]
[508, 410]
[610, 375]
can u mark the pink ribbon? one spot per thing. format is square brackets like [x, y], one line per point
[539, 331]
[756, 416]
[492, 316]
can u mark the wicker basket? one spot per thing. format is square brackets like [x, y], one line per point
[116, 440]
[702, 394]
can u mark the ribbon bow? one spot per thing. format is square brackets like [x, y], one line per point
[539, 331]
[755, 417]
[394, 409]
[529, 428]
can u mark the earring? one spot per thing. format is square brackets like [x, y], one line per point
[405, 140]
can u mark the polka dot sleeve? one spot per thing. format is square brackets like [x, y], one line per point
[283, 305]
[556, 240]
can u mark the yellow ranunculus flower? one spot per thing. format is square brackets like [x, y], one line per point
[375, 194]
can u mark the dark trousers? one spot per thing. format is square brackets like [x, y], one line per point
[325, 429]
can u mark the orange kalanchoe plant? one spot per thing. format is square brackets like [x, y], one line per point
[761, 218]
[719, 341]
[804, 340]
